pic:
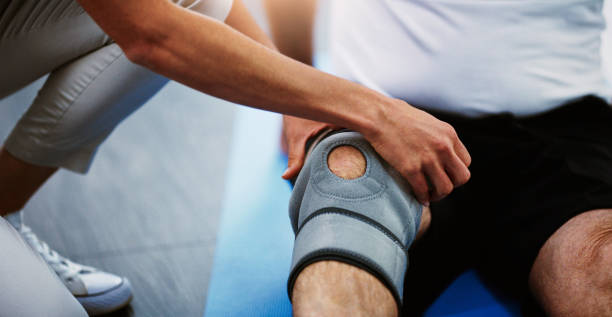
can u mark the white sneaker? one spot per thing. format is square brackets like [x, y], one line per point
[99, 292]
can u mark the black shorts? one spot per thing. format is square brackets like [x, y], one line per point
[529, 176]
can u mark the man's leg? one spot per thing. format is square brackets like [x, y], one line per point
[332, 288]
[572, 274]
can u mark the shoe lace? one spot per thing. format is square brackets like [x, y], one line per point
[64, 268]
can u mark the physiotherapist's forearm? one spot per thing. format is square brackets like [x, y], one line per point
[216, 59]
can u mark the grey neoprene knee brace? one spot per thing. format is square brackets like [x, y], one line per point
[369, 221]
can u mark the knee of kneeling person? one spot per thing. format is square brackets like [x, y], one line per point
[346, 162]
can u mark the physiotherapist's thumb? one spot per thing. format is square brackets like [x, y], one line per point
[295, 162]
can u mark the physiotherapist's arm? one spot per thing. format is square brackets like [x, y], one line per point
[214, 58]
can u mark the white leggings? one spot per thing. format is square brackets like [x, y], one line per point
[91, 86]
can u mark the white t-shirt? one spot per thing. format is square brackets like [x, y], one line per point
[473, 57]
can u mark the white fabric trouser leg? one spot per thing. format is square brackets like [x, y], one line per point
[91, 88]
[28, 287]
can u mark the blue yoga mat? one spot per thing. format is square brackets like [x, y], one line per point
[253, 252]
[254, 243]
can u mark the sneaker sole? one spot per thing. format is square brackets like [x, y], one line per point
[108, 301]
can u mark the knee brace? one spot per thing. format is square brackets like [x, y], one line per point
[368, 222]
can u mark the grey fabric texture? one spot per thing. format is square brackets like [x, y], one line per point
[369, 221]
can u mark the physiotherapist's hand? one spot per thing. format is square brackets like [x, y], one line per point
[426, 151]
[296, 132]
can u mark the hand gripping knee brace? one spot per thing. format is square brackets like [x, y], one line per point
[368, 222]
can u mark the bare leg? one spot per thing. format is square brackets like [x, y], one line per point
[572, 275]
[331, 288]
[19, 181]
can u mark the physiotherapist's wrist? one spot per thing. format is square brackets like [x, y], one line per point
[375, 113]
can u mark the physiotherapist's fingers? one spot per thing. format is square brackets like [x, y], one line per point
[295, 158]
[457, 171]
[441, 184]
[462, 152]
[419, 186]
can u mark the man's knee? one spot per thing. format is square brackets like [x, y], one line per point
[346, 162]
[599, 240]
[572, 271]
[350, 206]
[583, 242]
[591, 252]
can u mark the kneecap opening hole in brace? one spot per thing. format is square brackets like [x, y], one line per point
[347, 162]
